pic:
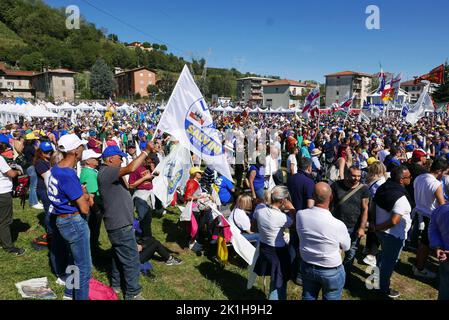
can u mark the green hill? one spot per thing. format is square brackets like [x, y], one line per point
[9, 39]
[34, 35]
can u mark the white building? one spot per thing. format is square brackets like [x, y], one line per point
[285, 94]
[415, 90]
[338, 84]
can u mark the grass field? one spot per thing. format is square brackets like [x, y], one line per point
[198, 278]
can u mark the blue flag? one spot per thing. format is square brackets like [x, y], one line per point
[405, 110]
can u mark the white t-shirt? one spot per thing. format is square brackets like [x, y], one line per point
[5, 181]
[401, 207]
[382, 155]
[425, 186]
[321, 236]
[271, 165]
[271, 224]
[240, 219]
[292, 160]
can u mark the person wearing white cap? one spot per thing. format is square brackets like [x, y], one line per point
[88, 177]
[71, 205]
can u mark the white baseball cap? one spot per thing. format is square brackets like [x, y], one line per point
[89, 153]
[70, 142]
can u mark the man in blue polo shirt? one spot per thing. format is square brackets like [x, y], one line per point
[301, 187]
[226, 190]
[70, 205]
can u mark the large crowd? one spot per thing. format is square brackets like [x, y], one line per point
[306, 196]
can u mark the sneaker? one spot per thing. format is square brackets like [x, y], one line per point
[173, 261]
[393, 294]
[38, 206]
[60, 282]
[16, 251]
[370, 260]
[117, 291]
[64, 297]
[425, 273]
[137, 297]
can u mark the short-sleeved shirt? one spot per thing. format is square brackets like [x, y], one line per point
[259, 179]
[401, 207]
[292, 160]
[301, 187]
[425, 187]
[224, 192]
[89, 177]
[92, 144]
[350, 211]
[117, 201]
[41, 167]
[5, 181]
[64, 188]
[271, 224]
[240, 219]
[140, 172]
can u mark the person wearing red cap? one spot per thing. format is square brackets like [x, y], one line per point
[416, 168]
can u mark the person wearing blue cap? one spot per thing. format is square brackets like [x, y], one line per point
[119, 217]
[42, 167]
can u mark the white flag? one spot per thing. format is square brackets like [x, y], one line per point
[241, 245]
[187, 118]
[186, 212]
[396, 84]
[418, 110]
[173, 172]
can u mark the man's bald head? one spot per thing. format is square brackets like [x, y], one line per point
[323, 193]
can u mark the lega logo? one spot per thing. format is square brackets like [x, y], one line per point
[199, 130]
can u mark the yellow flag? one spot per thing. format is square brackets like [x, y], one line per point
[222, 250]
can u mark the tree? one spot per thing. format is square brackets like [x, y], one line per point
[442, 93]
[102, 83]
[32, 61]
[166, 84]
[113, 37]
[163, 47]
[374, 84]
[146, 44]
[152, 90]
[156, 46]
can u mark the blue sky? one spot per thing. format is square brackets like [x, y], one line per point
[299, 40]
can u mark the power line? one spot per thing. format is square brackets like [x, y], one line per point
[133, 27]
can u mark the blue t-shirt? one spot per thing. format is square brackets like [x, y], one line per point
[63, 189]
[143, 145]
[224, 192]
[259, 179]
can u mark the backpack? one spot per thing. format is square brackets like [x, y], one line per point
[100, 291]
[20, 188]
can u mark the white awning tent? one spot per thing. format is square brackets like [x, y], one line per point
[218, 109]
[12, 112]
